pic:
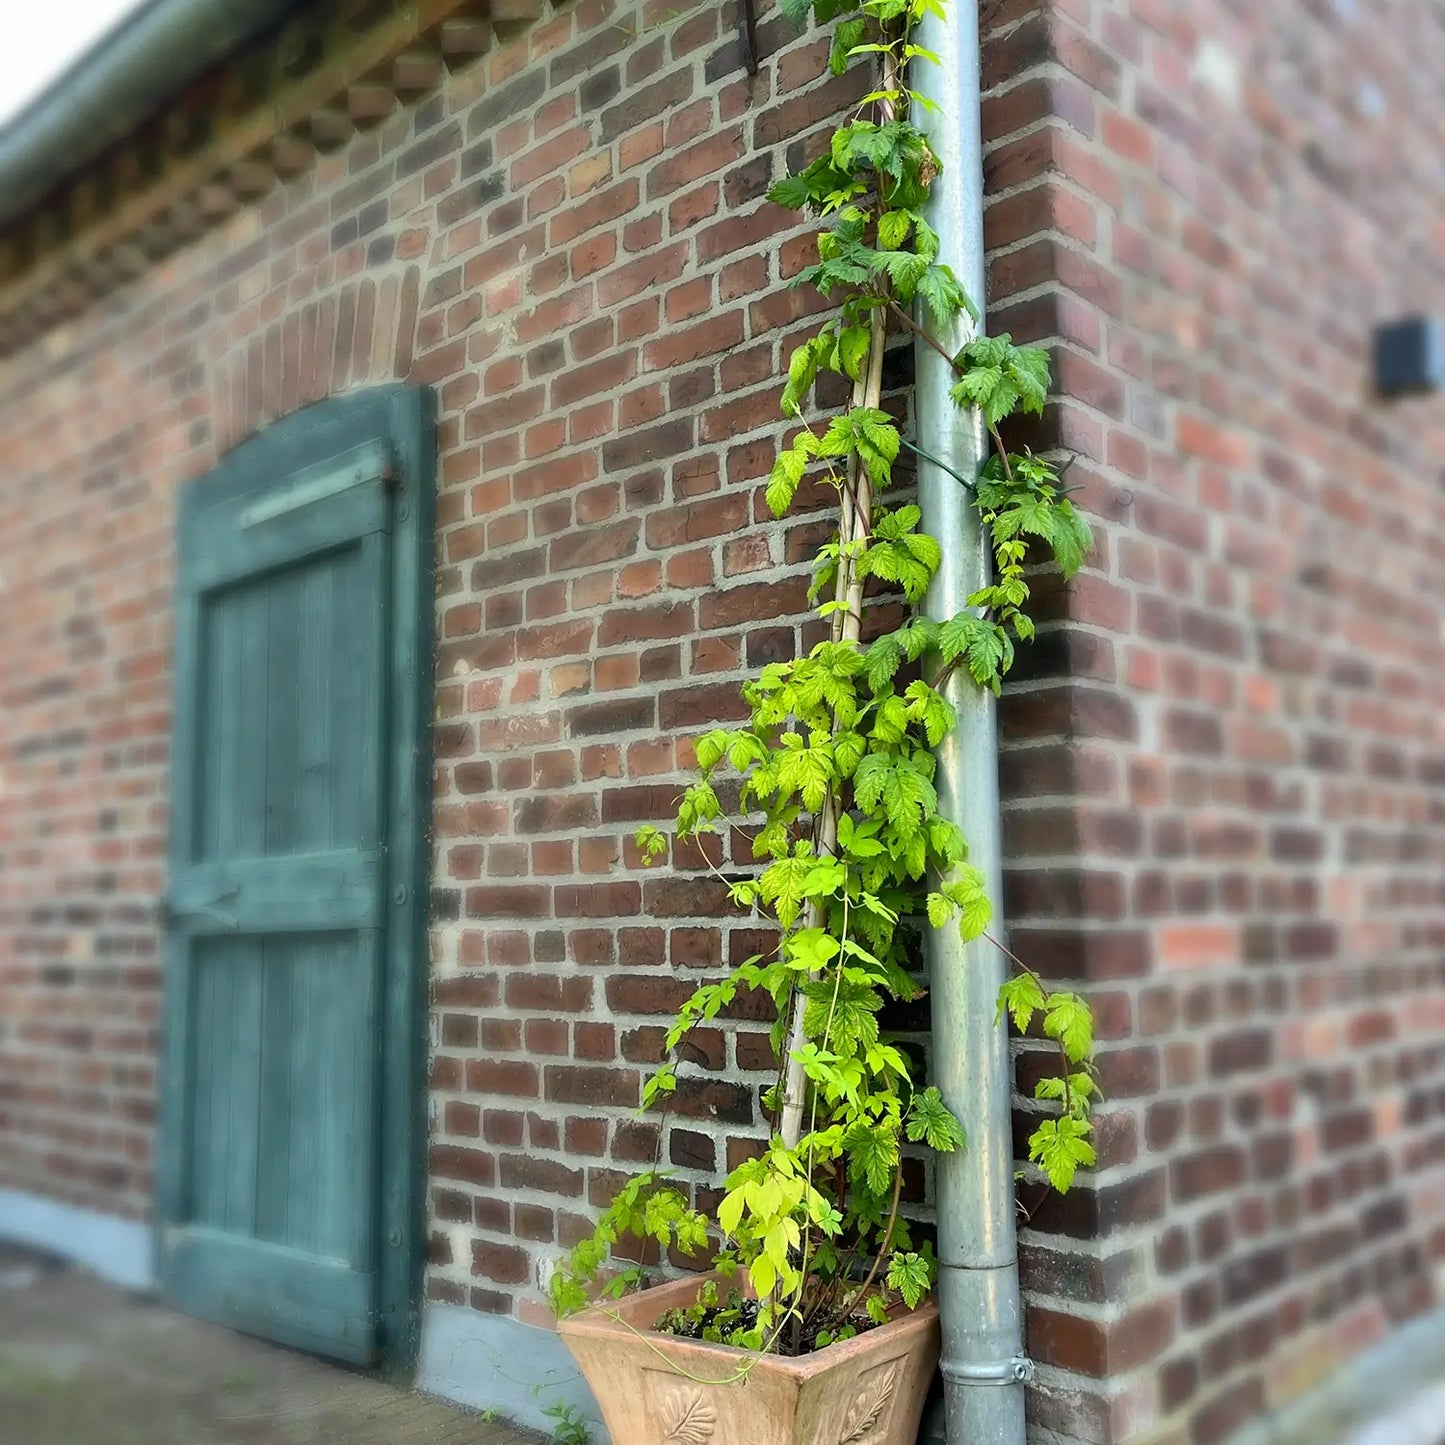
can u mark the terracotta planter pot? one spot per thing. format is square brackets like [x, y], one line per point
[660, 1390]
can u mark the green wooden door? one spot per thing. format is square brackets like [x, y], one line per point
[288, 1184]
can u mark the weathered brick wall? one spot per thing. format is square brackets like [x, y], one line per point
[569, 241]
[608, 580]
[84, 578]
[1226, 783]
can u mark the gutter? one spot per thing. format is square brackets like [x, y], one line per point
[983, 1365]
[125, 77]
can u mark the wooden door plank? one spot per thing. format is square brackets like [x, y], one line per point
[308, 486]
[225, 1081]
[216, 719]
[338, 889]
[210, 1047]
[274, 1161]
[412, 419]
[311, 1118]
[365, 659]
[230, 554]
[283, 1293]
[283, 691]
[334, 1104]
[315, 778]
[243, 1091]
[237, 773]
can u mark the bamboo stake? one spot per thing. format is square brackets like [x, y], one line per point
[856, 522]
[855, 525]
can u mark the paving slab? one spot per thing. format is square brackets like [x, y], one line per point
[82, 1363]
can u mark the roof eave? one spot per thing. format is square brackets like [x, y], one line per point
[126, 76]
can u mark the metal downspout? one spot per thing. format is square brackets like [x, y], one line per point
[978, 1284]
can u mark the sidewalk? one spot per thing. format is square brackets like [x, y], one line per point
[84, 1364]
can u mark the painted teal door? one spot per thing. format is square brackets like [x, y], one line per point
[291, 1096]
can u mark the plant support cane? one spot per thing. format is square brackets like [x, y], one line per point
[839, 844]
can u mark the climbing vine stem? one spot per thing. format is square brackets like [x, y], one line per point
[836, 840]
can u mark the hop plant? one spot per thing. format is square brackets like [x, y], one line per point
[834, 768]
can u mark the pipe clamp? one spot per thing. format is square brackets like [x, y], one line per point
[1019, 1370]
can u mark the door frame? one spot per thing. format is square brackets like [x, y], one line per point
[404, 419]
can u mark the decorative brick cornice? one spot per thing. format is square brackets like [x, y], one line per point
[263, 115]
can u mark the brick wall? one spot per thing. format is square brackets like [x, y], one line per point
[1222, 767]
[568, 241]
[1225, 780]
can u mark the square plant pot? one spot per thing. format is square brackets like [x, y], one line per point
[657, 1389]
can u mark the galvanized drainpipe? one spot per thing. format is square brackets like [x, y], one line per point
[978, 1283]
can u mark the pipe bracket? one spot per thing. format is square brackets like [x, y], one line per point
[1019, 1370]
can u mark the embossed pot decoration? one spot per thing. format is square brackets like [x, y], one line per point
[657, 1389]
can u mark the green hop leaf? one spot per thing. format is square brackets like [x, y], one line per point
[1068, 1019]
[786, 476]
[651, 843]
[1021, 997]
[848, 34]
[792, 192]
[912, 1276]
[940, 910]
[1060, 1147]
[931, 1122]
[893, 229]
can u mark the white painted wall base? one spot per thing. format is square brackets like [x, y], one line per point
[1390, 1395]
[1421, 1422]
[492, 1363]
[118, 1250]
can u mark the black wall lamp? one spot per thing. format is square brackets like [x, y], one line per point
[1410, 356]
